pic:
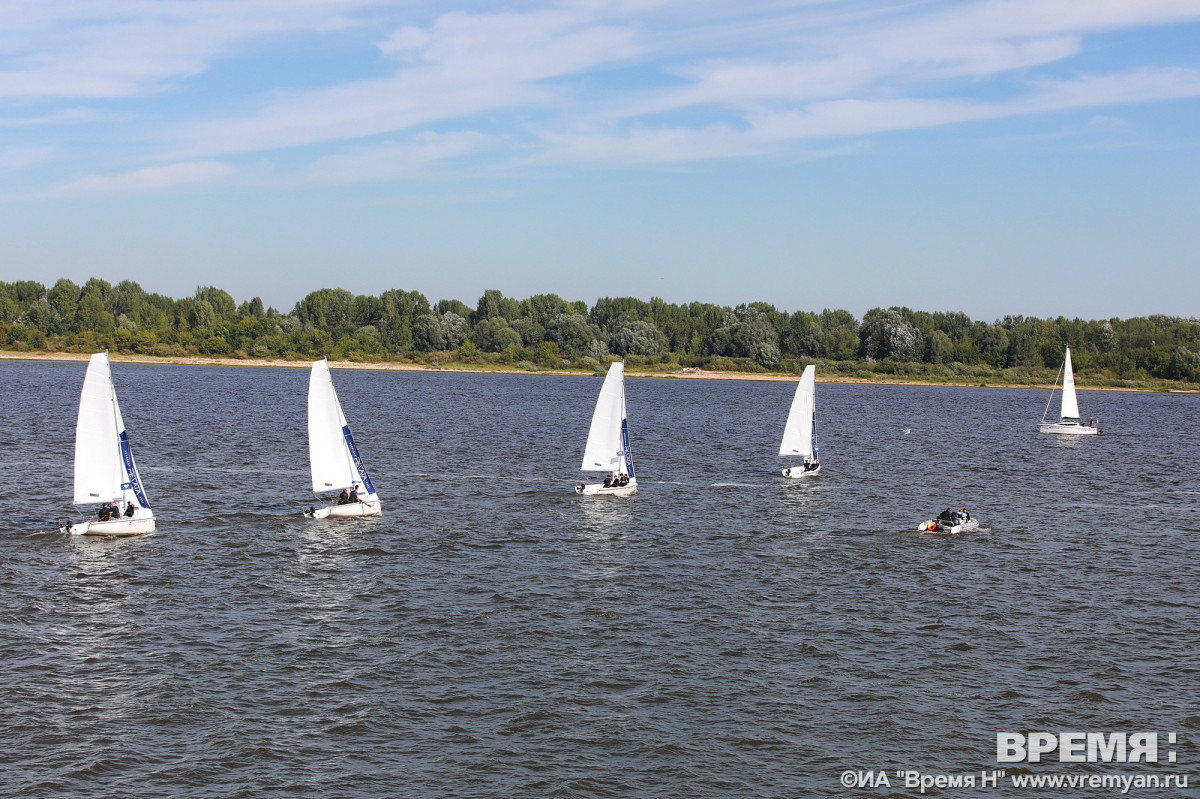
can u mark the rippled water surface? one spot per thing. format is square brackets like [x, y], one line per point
[723, 633]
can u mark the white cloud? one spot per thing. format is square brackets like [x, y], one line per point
[770, 129]
[617, 81]
[121, 48]
[147, 178]
[467, 65]
[17, 158]
[406, 40]
[395, 159]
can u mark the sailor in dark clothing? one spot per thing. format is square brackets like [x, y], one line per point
[105, 512]
[624, 480]
[608, 481]
[343, 497]
[129, 511]
[946, 516]
[353, 494]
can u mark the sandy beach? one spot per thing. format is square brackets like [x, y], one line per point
[280, 363]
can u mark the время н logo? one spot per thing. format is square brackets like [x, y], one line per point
[1081, 747]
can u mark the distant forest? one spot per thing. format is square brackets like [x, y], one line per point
[547, 332]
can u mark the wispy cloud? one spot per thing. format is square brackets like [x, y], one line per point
[146, 178]
[18, 158]
[615, 81]
[462, 66]
[394, 160]
[82, 49]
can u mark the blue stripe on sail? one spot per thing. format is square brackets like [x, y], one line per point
[625, 448]
[358, 464]
[131, 472]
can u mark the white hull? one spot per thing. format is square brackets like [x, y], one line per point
[112, 527]
[798, 471]
[1068, 429]
[596, 489]
[948, 529]
[351, 510]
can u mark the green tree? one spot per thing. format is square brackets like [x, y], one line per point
[427, 333]
[803, 336]
[327, 310]
[576, 336]
[252, 309]
[494, 335]
[885, 334]
[638, 338]
[494, 304]
[541, 309]
[63, 297]
[455, 330]
[126, 297]
[839, 330]
[530, 331]
[201, 315]
[90, 314]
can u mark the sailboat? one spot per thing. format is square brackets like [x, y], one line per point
[800, 431]
[104, 469]
[607, 447]
[332, 453]
[1068, 422]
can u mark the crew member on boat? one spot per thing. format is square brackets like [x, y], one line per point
[343, 497]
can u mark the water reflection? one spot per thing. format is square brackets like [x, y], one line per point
[603, 518]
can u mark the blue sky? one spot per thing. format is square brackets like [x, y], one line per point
[1037, 157]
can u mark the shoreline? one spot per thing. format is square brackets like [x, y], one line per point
[279, 363]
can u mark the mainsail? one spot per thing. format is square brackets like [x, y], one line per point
[1070, 405]
[104, 467]
[331, 449]
[607, 447]
[798, 433]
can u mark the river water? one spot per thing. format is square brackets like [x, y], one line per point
[723, 633]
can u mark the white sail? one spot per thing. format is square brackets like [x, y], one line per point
[607, 447]
[331, 449]
[104, 467]
[1070, 405]
[798, 438]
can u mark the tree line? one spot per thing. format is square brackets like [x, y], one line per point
[547, 331]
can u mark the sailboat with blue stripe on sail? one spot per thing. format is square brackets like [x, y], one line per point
[333, 455]
[607, 448]
[105, 472]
